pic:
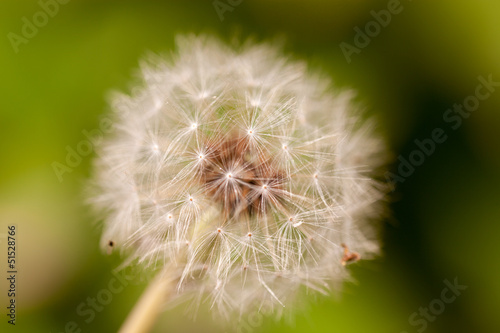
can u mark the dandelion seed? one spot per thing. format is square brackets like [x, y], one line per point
[235, 214]
[348, 256]
[111, 245]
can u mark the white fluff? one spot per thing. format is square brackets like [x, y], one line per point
[159, 207]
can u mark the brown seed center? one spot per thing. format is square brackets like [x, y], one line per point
[235, 176]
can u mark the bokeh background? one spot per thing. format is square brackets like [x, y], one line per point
[446, 216]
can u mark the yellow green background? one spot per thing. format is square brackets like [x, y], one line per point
[446, 216]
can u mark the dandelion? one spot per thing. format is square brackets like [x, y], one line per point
[240, 177]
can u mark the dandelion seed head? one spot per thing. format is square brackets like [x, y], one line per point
[214, 168]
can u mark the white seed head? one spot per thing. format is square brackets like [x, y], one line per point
[245, 163]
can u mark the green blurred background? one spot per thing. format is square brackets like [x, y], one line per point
[445, 220]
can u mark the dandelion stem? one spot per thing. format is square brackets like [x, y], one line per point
[143, 316]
